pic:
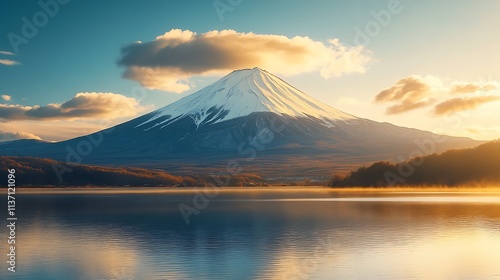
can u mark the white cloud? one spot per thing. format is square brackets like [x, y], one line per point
[6, 97]
[8, 62]
[6, 53]
[172, 58]
[8, 136]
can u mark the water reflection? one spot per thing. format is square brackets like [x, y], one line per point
[259, 235]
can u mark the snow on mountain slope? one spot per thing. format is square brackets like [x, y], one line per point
[241, 93]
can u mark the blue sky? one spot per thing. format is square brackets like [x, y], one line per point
[440, 45]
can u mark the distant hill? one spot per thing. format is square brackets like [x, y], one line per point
[33, 172]
[479, 165]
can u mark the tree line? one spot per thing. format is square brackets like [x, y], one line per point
[479, 165]
[38, 172]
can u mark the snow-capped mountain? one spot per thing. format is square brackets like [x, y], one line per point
[250, 119]
[241, 93]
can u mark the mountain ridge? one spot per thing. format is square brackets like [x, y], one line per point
[200, 133]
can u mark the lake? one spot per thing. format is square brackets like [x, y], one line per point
[309, 233]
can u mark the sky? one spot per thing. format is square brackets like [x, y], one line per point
[70, 67]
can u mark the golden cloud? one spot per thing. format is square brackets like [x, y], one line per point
[463, 88]
[172, 58]
[459, 104]
[410, 93]
[482, 130]
[415, 92]
[85, 105]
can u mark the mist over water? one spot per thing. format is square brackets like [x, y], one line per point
[258, 234]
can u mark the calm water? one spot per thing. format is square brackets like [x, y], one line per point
[257, 234]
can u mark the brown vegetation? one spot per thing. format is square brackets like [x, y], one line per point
[37, 172]
[43, 172]
[479, 165]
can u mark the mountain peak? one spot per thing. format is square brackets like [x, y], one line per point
[253, 70]
[243, 92]
[241, 74]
